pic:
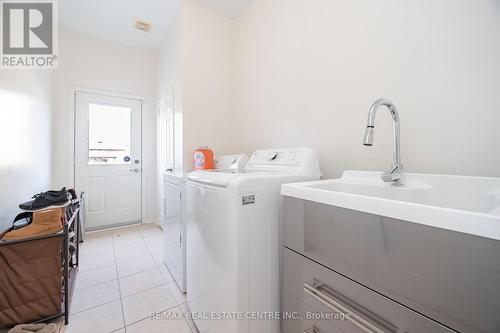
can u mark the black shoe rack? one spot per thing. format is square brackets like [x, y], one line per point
[71, 237]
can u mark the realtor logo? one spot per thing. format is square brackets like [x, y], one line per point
[29, 34]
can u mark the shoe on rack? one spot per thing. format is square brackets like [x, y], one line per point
[44, 222]
[72, 192]
[49, 199]
[21, 220]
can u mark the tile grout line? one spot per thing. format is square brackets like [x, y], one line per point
[119, 277]
[178, 305]
[142, 291]
[93, 269]
[94, 285]
[93, 307]
[157, 264]
[121, 299]
[156, 312]
[119, 287]
[149, 250]
[99, 255]
[136, 293]
[156, 267]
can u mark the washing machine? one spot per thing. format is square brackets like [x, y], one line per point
[233, 240]
[173, 211]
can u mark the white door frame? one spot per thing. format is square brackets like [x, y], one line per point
[71, 125]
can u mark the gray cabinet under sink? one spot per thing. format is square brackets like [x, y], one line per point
[392, 275]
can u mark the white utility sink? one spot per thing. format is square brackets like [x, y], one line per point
[464, 204]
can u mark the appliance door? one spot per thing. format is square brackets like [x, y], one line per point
[172, 217]
[172, 229]
[449, 277]
[211, 257]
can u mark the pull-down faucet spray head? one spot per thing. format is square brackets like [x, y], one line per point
[368, 139]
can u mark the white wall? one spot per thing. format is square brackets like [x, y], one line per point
[198, 57]
[209, 81]
[308, 71]
[25, 125]
[89, 62]
[169, 76]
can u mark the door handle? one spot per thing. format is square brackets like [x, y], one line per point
[135, 170]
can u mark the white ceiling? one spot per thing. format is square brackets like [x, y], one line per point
[114, 20]
[229, 8]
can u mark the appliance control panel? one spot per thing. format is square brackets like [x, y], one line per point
[278, 156]
[286, 159]
[231, 162]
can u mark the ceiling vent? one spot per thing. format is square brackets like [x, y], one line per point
[143, 25]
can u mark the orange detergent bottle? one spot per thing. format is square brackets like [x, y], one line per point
[203, 159]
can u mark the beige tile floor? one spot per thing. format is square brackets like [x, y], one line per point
[122, 281]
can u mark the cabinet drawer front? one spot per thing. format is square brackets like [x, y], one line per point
[357, 308]
[450, 277]
[302, 319]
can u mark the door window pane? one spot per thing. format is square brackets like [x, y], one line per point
[109, 134]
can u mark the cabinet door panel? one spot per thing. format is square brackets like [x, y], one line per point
[348, 306]
[450, 277]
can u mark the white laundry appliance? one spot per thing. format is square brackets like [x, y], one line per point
[233, 247]
[172, 215]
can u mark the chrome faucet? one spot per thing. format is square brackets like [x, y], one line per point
[394, 174]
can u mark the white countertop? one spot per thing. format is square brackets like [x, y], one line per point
[469, 205]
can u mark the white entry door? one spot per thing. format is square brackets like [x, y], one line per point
[108, 158]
